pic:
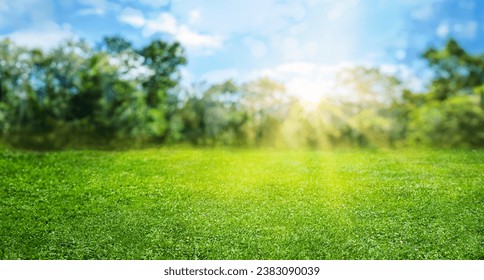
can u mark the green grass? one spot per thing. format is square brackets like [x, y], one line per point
[177, 203]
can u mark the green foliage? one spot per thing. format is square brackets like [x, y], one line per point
[116, 93]
[456, 71]
[450, 115]
[231, 114]
[241, 204]
[75, 92]
[370, 115]
[115, 45]
[456, 122]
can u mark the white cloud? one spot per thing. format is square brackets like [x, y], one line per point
[45, 35]
[16, 14]
[194, 16]
[190, 38]
[98, 7]
[257, 48]
[312, 81]
[308, 81]
[167, 23]
[30, 23]
[132, 17]
[442, 30]
[287, 30]
[164, 23]
[258, 17]
[463, 29]
[342, 7]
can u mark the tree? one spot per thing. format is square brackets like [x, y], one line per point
[163, 59]
[456, 72]
[455, 122]
[115, 45]
[450, 115]
[213, 115]
[74, 92]
[266, 105]
[370, 96]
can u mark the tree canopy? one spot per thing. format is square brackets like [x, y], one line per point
[116, 94]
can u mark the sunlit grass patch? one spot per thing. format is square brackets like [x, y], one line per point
[177, 203]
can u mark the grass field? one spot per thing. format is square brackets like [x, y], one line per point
[181, 203]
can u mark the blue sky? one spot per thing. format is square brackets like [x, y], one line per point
[302, 43]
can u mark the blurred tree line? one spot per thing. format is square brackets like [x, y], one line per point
[117, 95]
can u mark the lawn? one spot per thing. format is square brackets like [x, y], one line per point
[182, 203]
